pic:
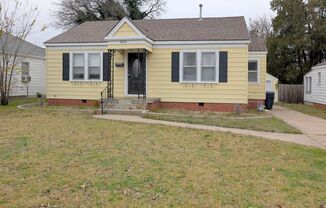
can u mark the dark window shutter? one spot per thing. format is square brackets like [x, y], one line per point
[65, 66]
[175, 66]
[107, 66]
[223, 76]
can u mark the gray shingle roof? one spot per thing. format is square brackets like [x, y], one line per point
[257, 44]
[27, 48]
[223, 28]
[191, 29]
[207, 29]
[321, 64]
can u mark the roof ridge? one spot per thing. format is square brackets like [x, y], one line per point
[181, 18]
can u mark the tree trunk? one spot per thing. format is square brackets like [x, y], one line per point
[4, 100]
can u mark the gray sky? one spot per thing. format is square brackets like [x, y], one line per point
[175, 9]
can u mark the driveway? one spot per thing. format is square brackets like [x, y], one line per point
[311, 126]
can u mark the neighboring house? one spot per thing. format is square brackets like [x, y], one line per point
[29, 76]
[315, 86]
[197, 64]
[272, 85]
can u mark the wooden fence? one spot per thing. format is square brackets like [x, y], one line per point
[290, 93]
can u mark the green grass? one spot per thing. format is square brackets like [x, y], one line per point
[306, 109]
[64, 159]
[270, 124]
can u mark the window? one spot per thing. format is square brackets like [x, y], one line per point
[25, 69]
[208, 67]
[189, 67]
[94, 66]
[78, 66]
[199, 66]
[86, 66]
[319, 78]
[253, 71]
[308, 84]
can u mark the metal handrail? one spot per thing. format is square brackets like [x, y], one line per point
[103, 96]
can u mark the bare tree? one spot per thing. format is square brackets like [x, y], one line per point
[75, 12]
[261, 27]
[15, 26]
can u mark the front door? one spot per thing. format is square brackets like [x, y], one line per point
[136, 73]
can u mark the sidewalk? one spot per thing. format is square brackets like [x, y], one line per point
[294, 138]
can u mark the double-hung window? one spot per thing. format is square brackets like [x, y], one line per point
[208, 67]
[86, 66]
[308, 85]
[94, 66]
[190, 66]
[253, 72]
[25, 68]
[199, 66]
[319, 78]
[78, 69]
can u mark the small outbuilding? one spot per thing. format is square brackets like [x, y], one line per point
[315, 86]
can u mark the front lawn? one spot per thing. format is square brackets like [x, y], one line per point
[258, 121]
[63, 159]
[306, 109]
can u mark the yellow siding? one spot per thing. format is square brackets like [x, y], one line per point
[258, 91]
[125, 31]
[57, 88]
[234, 91]
[159, 83]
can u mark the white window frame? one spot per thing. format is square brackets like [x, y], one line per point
[308, 81]
[199, 66]
[258, 70]
[319, 78]
[86, 75]
[29, 68]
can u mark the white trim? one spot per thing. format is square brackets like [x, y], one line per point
[199, 66]
[119, 25]
[201, 42]
[318, 67]
[160, 44]
[75, 44]
[257, 53]
[258, 70]
[126, 73]
[85, 66]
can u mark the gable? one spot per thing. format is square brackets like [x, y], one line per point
[125, 31]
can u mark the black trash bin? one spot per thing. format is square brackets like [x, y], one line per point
[269, 102]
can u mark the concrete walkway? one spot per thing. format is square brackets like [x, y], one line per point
[311, 126]
[294, 138]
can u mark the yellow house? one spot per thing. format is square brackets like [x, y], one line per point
[196, 64]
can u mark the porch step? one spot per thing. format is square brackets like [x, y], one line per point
[125, 106]
[124, 112]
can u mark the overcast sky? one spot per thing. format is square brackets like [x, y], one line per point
[174, 9]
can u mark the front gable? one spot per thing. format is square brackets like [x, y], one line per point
[125, 29]
[125, 35]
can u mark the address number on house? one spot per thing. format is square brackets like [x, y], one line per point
[123, 41]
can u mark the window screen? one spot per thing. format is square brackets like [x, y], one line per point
[208, 67]
[189, 67]
[253, 71]
[94, 66]
[78, 66]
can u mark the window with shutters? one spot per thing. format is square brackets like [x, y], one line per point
[94, 66]
[199, 66]
[78, 66]
[86, 66]
[253, 71]
[189, 67]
